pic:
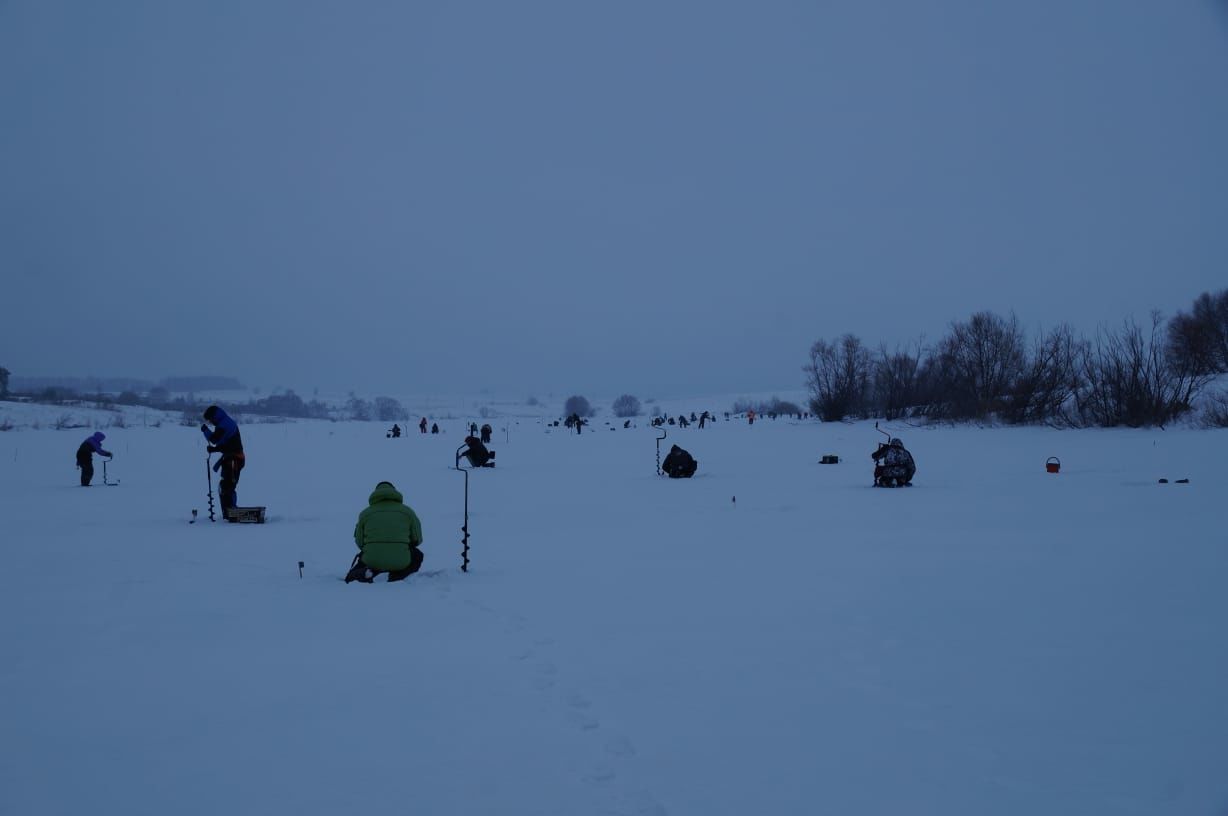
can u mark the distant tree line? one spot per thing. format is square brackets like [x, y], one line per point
[771, 407]
[201, 384]
[287, 404]
[113, 385]
[987, 368]
[385, 409]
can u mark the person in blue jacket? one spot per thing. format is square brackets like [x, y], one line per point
[225, 439]
[85, 456]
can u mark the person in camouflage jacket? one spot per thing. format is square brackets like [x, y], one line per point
[896, 466]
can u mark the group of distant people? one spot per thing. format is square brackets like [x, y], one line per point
[682, 421]
[395, 431]
[388, 533]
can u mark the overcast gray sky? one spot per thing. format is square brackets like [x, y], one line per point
[655, 197]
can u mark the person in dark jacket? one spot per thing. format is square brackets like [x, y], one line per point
[896, 467]
[395, 432]
[422, 425]
[486, 432]
[477, 453]
[388, 535]
[434, 427]
[679, 464]
[85, 456]
[225, 439]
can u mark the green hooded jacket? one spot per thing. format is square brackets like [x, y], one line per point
[386, 530]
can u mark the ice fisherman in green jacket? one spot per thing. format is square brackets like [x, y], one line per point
[388, 535]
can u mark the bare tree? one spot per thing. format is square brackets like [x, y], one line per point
[577, 405]
[388, 409]
[358, 408]
[626, 406]
[897, 380]
[978, 363]
[1198, 341]
[838, 377]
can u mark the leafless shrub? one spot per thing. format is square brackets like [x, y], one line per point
[1216, 413]
[1052, 375]
[64, 422]
[6, 424]
[1131, 381]
[118, 421]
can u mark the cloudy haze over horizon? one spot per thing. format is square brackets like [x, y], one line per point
[558, 196]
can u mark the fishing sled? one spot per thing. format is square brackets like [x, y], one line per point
[244, 515]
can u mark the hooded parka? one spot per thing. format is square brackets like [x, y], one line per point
[386, 530]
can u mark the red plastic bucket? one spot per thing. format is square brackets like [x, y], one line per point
[1053, 464]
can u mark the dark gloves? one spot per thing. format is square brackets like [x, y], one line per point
[213, 449]
[204, 428]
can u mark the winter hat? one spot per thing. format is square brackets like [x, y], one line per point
[211, 412]
[98, 436]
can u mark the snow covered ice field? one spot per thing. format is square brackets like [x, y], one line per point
[994, 640]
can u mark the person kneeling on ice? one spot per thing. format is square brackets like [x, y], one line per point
[679, 464]
[477, 453]
[85, 456]
[388, 535]
[897, 466]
